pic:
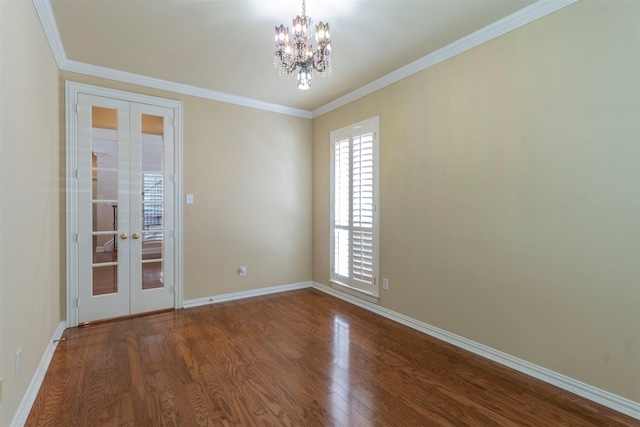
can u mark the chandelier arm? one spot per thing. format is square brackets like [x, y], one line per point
[290, 68]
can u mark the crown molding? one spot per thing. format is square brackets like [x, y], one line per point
[137, 79]
[515, 20]
[50, 27]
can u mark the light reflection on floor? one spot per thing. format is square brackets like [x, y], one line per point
[340, 364]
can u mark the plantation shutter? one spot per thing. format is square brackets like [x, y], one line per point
[362, 258]
[353, 210]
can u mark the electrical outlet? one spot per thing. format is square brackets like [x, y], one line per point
[385, 284]
[18, 361]
[242, 271]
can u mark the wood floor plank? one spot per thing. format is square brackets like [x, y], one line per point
[299, 358]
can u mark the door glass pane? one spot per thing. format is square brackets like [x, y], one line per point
[152, 125]
[104, 137]
[152, 157]
[152, 275]
[152, 143]
[104, 151]
[105, 248]
[105, 216]
[104, 184]
[152, 187]
[105, 118]
[152, 214]
[152, 246]
[105, 280]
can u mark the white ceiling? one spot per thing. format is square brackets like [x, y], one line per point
[227, 46]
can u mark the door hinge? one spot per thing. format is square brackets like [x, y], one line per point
[77, 237]
[374, 280]
[77, 173]
[77, 302]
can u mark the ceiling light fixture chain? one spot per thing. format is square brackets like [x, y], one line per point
[289, 56]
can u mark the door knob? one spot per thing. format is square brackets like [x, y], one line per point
[135, 235]
[123, 236]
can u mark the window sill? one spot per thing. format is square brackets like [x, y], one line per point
[354, 292]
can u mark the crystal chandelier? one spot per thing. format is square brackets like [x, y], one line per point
[289, 56]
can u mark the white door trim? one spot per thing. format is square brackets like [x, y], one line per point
[71, 186]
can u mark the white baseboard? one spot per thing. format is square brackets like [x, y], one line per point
[32, 391]
[605, 398]
[245, 294]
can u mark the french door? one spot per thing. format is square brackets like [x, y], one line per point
[125, 213]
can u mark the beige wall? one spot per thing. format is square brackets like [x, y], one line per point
[30, 198]
[250, 173]
[510, 193]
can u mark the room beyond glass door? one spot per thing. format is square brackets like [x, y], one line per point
[125, 209]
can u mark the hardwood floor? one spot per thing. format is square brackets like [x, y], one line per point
[299, 358]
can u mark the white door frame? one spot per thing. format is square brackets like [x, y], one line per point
[72, 90]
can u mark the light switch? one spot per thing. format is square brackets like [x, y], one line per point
[189, 199]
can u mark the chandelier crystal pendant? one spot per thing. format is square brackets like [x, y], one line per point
[299, 53]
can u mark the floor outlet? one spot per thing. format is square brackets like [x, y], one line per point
[18, 362]
[385, 284]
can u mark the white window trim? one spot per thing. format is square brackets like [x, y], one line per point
[373, 296]
[355, 292]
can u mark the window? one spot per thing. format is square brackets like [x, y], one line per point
[354, 210]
